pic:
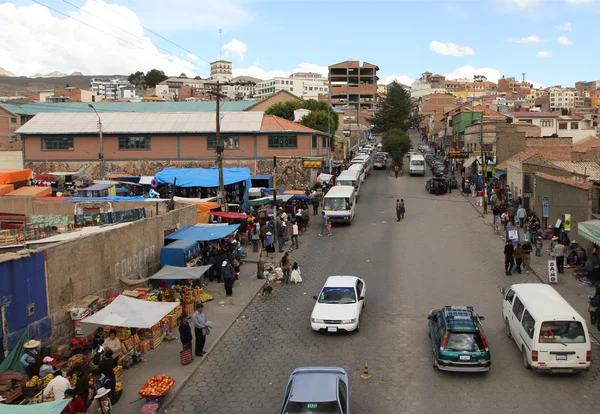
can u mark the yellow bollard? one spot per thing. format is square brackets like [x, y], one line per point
[365, 374]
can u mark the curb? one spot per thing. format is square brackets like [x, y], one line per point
[171, 396]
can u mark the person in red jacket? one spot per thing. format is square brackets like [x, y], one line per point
[76, 406]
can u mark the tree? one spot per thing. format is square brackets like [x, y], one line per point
[317, 121]
[564, 111]
[479, 78]
[154, 77]
[396, 143]
[183, 75]
[197, 77]
[397, 110]
[137, 79]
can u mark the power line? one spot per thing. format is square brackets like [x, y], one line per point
[153, 32]
[106, 33]
[129, 33]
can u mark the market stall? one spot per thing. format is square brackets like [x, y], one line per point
[188, 294]
[203, 233]
[11, 175]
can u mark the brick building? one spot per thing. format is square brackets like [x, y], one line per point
[352, 86]
[437, 103]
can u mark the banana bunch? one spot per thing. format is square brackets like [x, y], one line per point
[74, 360]
[119, 387]
[48, 378]
[118, 370]
[35, 382]
[73, 380]
[152, 299]
[205, 297]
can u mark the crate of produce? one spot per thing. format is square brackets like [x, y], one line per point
[156, 387]
[155, 341]
[189, 308]
[12, 395]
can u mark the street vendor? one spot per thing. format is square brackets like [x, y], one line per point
[113, 343]
[98, 338]
[46, 367]
[31, 359]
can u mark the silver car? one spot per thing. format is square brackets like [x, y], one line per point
[317, 390]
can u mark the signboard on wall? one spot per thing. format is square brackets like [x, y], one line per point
[552, 271]
[567, 222]
[545, 207]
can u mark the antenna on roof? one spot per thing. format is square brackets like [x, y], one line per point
[220, 44]
[523, 76]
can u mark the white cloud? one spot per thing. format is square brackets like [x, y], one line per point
[564, 40]
[580, 1]
[564, 27]
[521, 4]
[544, 54]
[529, 39]
[41, 42]
[236, 48]
[467, 72]
[191, 56]
[450, 49]
[535, 84]
[404, 79]
[260, 73]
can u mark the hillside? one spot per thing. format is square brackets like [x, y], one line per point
[22, 85]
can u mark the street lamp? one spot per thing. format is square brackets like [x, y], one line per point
[101, 154]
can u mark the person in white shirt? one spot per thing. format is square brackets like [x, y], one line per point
[59, 385]
[295, 235]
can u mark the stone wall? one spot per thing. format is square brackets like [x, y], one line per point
[96, 263]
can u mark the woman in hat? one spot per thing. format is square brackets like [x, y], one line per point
[101, 403]
[185, 332]
[270, 244]
[31, 359]
[46, 367]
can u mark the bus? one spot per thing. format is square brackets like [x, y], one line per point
[416, 165]
[349, 177]
[339, 204]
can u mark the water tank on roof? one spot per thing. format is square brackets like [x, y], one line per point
[509, 120]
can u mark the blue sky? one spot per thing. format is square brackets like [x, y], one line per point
[552, 41]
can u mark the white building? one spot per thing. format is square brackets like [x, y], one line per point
[561, 97]
[109, 89]
[576, 127]
[304, 85]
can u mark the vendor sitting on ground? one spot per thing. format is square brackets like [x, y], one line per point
[31, 359]
[113, 343]
[46, 367]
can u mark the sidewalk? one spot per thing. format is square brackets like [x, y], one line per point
[568, 286]
[222, 311]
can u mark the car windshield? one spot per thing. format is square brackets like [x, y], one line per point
[464, 341]
[562, 332]
[417, 162]
[337, 295]
[335, 204]
[328, 407]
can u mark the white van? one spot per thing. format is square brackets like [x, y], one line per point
[416, 165]
[551, 335]
[352, 178]
[360, 168]
[339, 203]
[366, 160]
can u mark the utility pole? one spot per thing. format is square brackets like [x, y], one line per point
[220, 148]
[329, 132]
[274, 186]
[101, 154]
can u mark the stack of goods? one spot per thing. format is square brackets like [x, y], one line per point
[75, 360]
[272, 274]
[157, 386]
[144, 346]
[9, 391]
[155, 335]
[118, 370]
[86, 307]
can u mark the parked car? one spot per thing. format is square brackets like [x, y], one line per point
[440, 171]
[451, 181]
[457, 340]
[339, 305]
[317, 390]
[379, 163]
[441, 183]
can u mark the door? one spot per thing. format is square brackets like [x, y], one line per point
[343, 396]
[515, 321]
[360, 290]
[507, 304]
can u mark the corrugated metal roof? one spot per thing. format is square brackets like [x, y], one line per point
[588, 168]
[141, 123]
[147, 107]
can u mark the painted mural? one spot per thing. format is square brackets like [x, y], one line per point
[289, 172]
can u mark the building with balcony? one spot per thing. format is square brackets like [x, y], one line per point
[577, 127]
[303, 85]
[71, 94]
[109, 89]
[561, 98]
[352, 86]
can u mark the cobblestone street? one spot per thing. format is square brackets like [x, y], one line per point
[441, 254]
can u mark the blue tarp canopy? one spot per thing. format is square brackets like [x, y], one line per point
[204, 233]
[115, 199]
[203, 177]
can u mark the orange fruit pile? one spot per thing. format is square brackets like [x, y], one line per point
[157, 385]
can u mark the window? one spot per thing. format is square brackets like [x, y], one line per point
[135, 143]
[324, 142]
[518, 308]
[510, 296]
[528, 324]
[13, 120]
[343, 395]
[562, 125]
[57, 144]
[314, 141]
[548, 123]
[228, 142]
[574, 125]
[464, 342]
[562, 332]
[284, 141]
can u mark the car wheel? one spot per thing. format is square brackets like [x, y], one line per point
[507, 325]
[525, 361]
[435, 367]
[357, 327]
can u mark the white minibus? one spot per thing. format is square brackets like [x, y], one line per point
[352, 178]
[416, 165]
[339, 204]
[366, 160]
[550, 334]
[360, 168]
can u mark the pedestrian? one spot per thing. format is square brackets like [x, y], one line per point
[473, 189]
[300, 220]
[511, 213]
[76, 406]
[199, 320]
[255, 236]
[270, 244]
[325, 225]
[398, 210]
[228, 274]
[295, 232]
[58, 385]
[285, 265]
[296, 275]
[402, 209]
[559, 253]
[521, 215]
[82, 385]
[509, 254]
[185, 332]
[279, 232]
[519, 257]
[102, 403]
[315, 203]
[527, 249]
[539, 245]
[396, 171]
[479, 196]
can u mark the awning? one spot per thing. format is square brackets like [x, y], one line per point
[469, 162]
[116, 199]
[10, 175]
[177, 272]
[128, 312]
[255, 192]
[52, 407]
[325, 178]
[206, 233]
[590, 230]
[146, 179]
[202, 177]
[499, 173]
[193, 200]
[230, 214]
[297, 195]
[31, 191]
[98, 187]
[269, 200]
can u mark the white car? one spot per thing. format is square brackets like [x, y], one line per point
[339, 305]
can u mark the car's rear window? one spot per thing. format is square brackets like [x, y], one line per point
[312, 408]
[562, 332]
[337, 295]
[465, 342]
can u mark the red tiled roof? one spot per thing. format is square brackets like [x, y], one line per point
[587, 144]
[275, 123]
[564, 180]
[550, 153]
[487, 111]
